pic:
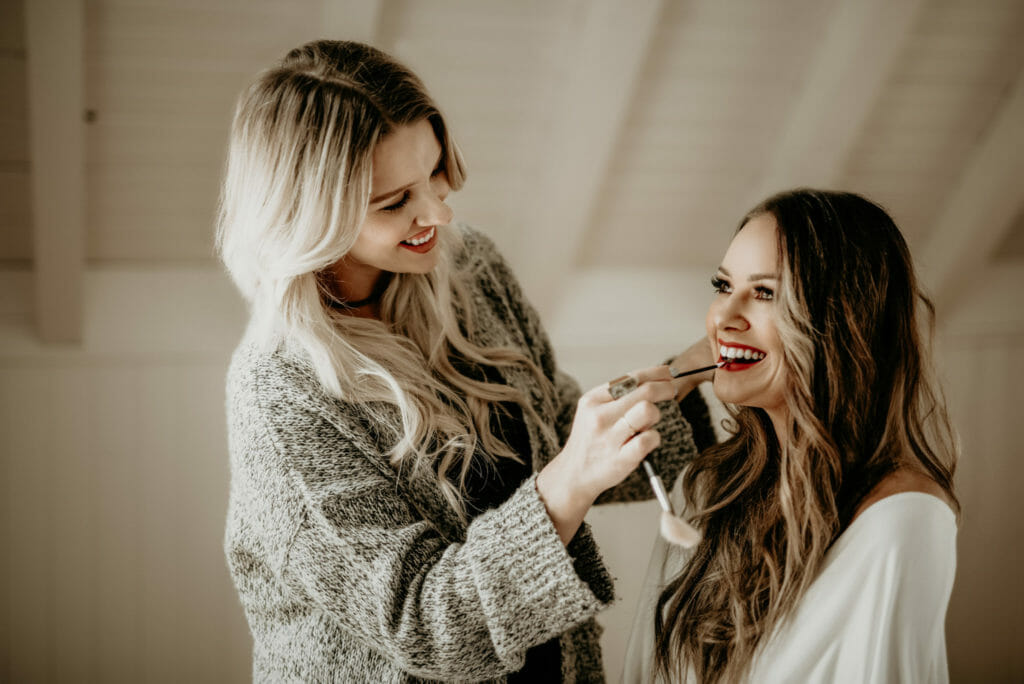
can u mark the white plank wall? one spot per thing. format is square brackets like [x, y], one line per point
[116, 479]
[984, 626]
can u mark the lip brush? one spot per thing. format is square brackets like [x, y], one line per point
[683, 374]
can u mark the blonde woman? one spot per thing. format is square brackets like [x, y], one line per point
[409, 469]
[829, 516]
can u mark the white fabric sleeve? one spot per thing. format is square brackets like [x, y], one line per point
[875, 613]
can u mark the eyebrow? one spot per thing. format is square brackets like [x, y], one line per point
[754, 276]
[392, 193]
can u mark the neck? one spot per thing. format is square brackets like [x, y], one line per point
[358, 291]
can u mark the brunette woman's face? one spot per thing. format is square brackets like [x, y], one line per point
[400, 233]
[742, 320]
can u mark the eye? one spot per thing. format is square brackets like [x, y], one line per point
[764, 293]
[399, 204]
[720, 285]
[440, 170]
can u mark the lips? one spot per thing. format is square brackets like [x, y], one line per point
[421, 242]
[739, 356]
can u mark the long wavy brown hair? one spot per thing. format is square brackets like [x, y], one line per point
[863, 401]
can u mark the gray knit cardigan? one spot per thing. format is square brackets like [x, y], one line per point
[349, 571]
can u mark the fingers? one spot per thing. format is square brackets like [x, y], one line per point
[640, 418]
[627, 385]
[653, 391]
[642, 444]
[698, 355]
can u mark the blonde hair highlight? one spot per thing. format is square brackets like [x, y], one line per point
[295, 194]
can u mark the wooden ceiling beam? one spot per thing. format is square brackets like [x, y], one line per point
[593, 87]
[981, 209]
[54, 31]
[859, 49]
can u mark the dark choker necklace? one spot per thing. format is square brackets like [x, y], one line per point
[375, 295]
[338, 304]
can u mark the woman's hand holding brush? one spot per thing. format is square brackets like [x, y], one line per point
[699, 357]
[611, 434]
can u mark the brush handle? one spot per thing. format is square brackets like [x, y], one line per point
[683, 374]
[658, 486]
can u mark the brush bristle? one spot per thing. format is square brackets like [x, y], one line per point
[677, 531]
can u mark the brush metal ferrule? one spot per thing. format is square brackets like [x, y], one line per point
[659, 488]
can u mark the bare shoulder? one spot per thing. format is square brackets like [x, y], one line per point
[901, 481]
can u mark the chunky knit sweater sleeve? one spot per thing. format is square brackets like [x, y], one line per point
[320, 521]
[352, 570]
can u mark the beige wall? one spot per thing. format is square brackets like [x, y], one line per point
[115, 474]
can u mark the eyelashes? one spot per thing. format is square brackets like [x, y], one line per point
[406, 196]
[399, 204]
[722, 286]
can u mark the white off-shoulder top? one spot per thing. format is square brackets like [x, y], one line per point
[875, 613]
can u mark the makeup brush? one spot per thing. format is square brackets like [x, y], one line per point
[674, 530]
[682, 374]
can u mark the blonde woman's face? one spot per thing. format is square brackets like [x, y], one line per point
[407, 207]
[742, 320]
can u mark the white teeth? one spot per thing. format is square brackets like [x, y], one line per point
[737, 353]
[426, 238]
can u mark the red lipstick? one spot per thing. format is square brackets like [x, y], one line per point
[426, 246]
[736, 364]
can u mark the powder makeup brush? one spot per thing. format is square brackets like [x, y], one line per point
[674, 529]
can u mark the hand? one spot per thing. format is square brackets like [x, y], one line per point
[697, 355]
[609, 438]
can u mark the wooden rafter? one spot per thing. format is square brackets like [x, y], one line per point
[590, 103]
[859, 49]
[982, 208]
[55, 49]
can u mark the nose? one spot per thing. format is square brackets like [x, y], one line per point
[434, 211]
[728, 314]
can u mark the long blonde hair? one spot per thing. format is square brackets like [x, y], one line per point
[295, 194]
[863, 401]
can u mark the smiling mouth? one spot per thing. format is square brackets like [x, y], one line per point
[421, 238]
[739, 357]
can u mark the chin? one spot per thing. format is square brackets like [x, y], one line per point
[421, 265]
[735, 395]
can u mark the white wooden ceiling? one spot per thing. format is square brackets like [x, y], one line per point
[599, 134]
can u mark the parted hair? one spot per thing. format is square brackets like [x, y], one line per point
[294, 197]
[863, 401]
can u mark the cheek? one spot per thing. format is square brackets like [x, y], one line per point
[376, 231]
[709, 324]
